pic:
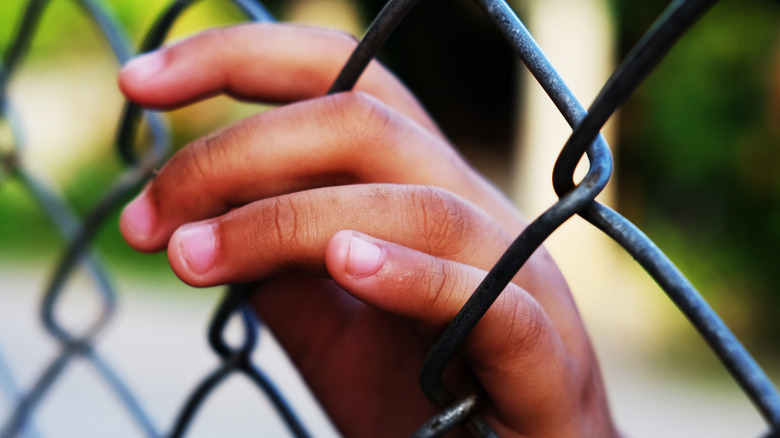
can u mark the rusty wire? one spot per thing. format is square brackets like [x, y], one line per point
[456, 409]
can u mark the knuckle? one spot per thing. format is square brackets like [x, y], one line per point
[199, 174]
[528, 325]
[442, 218]
[207, 40]
[282, 221]
[200, 158]
[285, 220]
[520, 340]
[436, 283]
[365, 118]
[216, 36]
[350, 41]
[189, 174]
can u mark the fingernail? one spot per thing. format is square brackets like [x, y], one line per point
[198, 245]
[145, 67]
[364, 257]
[139, 216]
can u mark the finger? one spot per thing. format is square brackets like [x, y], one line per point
[345, 138]
[275, 235]
[266, 62]
[290, 233]
[515, 350]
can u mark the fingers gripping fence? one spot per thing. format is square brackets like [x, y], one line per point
[575, 199]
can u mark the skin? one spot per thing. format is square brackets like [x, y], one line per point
[364, 233]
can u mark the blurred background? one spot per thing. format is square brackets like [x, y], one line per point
[697, 153]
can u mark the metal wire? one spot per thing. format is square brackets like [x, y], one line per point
[237, 360]
[449, 418]
[574, 199]
[79, 235]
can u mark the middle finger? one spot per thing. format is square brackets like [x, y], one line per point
[346, 138]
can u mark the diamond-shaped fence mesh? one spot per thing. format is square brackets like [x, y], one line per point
[456, 409]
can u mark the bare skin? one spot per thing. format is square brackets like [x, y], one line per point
[364, 233]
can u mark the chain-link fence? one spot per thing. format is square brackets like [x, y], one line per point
[575, 199]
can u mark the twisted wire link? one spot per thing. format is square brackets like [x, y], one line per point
[677, 18]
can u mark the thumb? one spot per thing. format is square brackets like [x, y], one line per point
[513, 350]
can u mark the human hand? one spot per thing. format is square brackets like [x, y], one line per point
[364, 232]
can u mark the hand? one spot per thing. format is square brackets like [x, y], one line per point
[364, 232]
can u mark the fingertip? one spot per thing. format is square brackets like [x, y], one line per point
[138, 221]
[141, 72]
[353, 254]
[145, 67]
[336, 253]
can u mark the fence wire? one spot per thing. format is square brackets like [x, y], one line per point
[456, 409]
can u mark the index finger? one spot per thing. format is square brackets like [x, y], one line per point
[264, 62]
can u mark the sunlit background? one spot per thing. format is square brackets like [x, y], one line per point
[697, 153]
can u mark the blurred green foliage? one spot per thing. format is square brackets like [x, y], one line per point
[65, 36]
[699, 162]
[65, 27]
